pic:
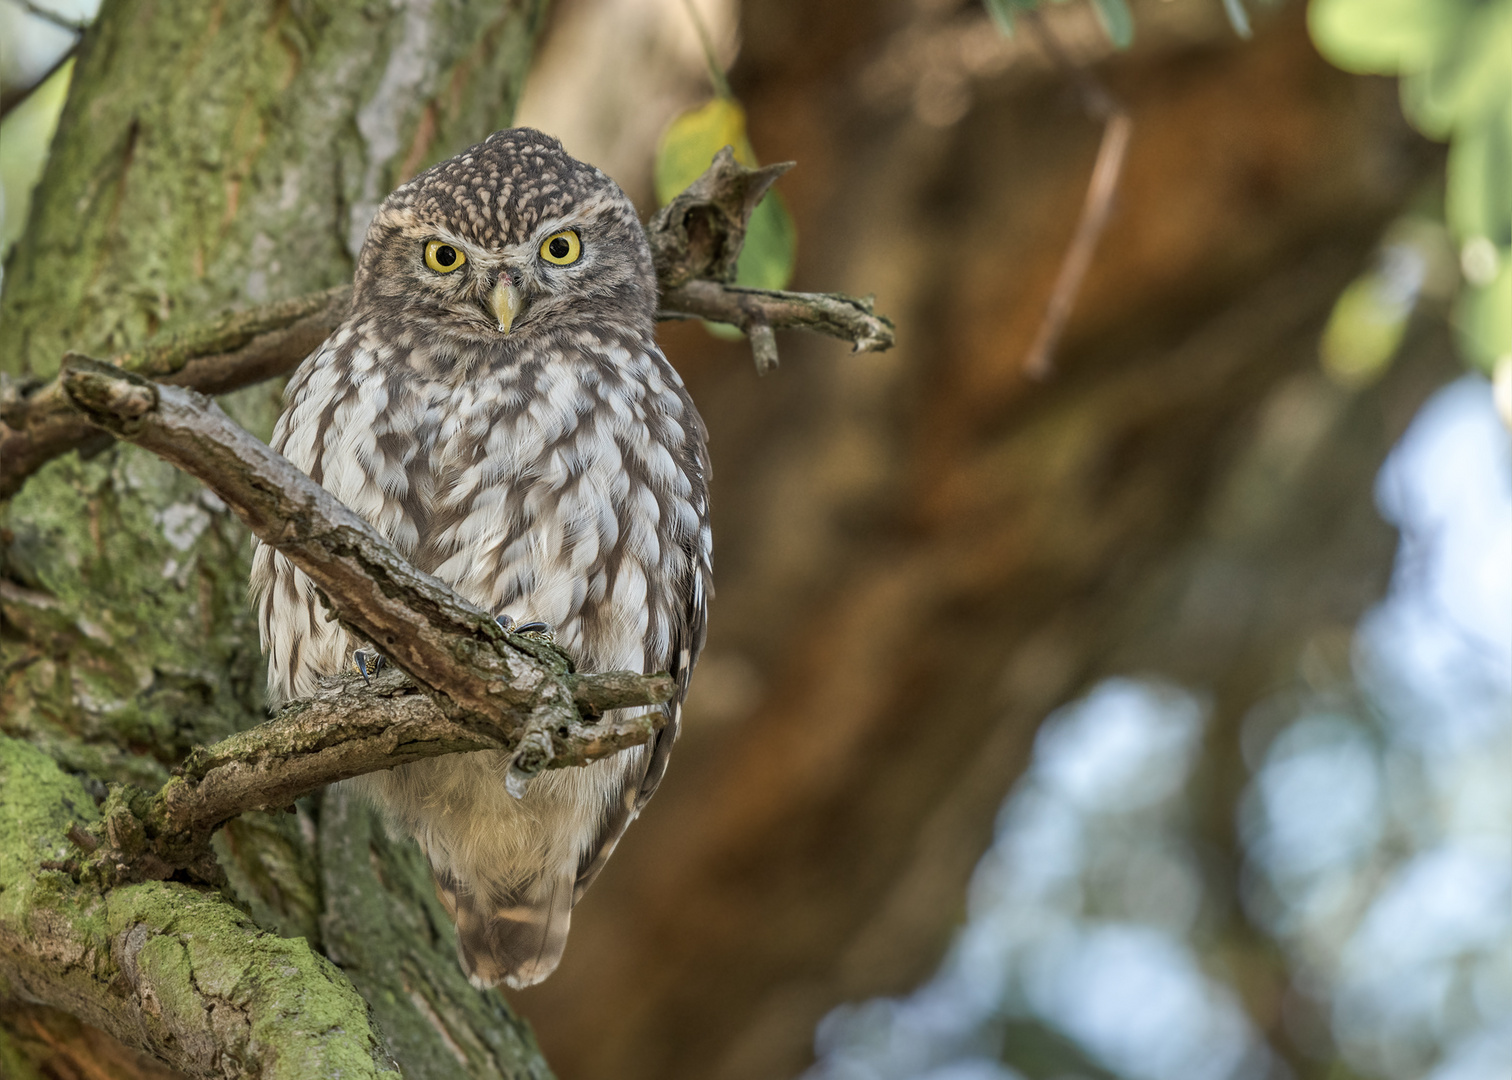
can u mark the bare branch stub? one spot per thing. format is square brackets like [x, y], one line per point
[695, 242]
[699, 233]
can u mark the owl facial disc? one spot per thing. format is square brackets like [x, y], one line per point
[505, 301]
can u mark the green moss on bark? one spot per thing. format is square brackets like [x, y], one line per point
[164, 966]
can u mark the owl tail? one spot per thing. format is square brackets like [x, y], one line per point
[517, 940]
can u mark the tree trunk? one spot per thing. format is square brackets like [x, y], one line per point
[919, 555]
[212, 156]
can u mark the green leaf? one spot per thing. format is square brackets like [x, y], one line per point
[1364, 331]
[1471, 81]
[693, 138]
[24, 141]
[1483, 317]
[1002, 11]
[1117, 20]
[1386, 37]
[766, 261]
[1478, 200]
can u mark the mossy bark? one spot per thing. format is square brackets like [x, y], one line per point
[213, 156]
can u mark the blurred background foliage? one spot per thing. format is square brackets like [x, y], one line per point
[1256, 748]
[1456, 80]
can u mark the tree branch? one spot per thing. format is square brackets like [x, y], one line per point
[174, 970]
[215, 357]
[847, 317]
[695, 242]
[489, 689]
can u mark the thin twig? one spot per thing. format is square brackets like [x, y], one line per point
[711, 60]
[1100, 104]
[849, 318]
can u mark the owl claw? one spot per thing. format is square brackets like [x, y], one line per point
[509, 626]
[368, 663]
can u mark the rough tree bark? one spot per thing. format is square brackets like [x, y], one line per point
[211, 156]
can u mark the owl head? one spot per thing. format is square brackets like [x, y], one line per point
[508, 241]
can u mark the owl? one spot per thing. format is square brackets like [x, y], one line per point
[497, 406]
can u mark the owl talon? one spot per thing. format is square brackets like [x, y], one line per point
[535, 626]
[368, 663]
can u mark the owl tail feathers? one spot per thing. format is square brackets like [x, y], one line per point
[518, 941]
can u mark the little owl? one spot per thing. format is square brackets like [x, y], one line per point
[496, 405]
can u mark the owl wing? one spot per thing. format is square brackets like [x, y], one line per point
[688, 634]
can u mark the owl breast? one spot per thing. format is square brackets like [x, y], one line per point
[562, 488]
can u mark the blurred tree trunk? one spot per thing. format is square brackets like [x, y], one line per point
[919, 555]
[212, 156]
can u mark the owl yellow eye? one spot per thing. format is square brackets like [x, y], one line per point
[562, 248]
[442, 257]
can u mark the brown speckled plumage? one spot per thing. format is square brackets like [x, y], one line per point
[555, 472]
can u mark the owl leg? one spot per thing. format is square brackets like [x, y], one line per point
[369, 663]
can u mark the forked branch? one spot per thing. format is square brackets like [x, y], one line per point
[487, 689]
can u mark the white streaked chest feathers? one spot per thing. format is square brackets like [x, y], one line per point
[561, 489]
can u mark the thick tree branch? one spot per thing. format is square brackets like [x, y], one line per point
[215, 357]
[490, 689]
[695, 241]
[174, 970]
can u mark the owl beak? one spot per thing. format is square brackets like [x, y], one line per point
[505, 301]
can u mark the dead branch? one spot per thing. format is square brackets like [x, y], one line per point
[696, 240]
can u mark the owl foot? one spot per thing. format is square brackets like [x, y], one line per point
[368, 663]
[509, 626]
